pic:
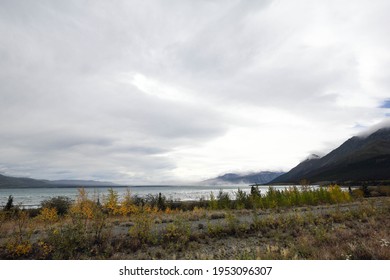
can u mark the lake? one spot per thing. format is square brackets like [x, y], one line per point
[32, 197]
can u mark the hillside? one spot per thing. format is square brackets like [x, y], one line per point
[262, 177]
[17, 182]
[356, 160]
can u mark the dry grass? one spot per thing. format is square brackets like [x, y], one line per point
[352, 230]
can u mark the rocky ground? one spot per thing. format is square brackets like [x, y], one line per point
[355, 230]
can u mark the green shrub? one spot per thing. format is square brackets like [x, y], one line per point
[242, 200]
[60, 203]
[10, 204]
[179, 231]
[213, 203]
[142, 228]
[217, 215]
[161, 202]
[233, 224]
[223, 200]
[68, 242]
[215, 229]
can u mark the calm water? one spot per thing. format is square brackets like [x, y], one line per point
[32, 197]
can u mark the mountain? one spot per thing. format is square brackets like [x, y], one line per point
[16, 182]
[84, 183]
[356, 160]
[233, 178]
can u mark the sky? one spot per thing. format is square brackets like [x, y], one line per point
[149, 92]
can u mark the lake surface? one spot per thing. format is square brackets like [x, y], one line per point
[32, 197]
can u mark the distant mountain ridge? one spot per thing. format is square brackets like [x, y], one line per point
[357, 159]
[20, 182]
[262, 177]
[84, 183]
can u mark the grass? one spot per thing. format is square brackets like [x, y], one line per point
[325, 223]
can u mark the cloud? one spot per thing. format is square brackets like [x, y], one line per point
[142, 92]
[367, 131]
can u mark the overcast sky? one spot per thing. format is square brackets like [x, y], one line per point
[174, 91]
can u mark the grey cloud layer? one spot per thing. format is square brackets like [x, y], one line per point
[69, 105]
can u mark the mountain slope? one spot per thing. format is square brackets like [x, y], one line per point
[233, 178]
[16, 182]
[358, 159]
[84, 183]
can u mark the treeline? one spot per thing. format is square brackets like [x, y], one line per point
[292, 196]
[112, 204]
[65, 229]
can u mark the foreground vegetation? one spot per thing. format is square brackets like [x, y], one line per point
[306, 223]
